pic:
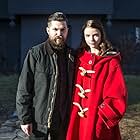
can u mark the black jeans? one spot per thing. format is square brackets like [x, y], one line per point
[37, 135]
[41, 136]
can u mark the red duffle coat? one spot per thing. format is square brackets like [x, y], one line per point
[99, 100]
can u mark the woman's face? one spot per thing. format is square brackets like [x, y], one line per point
[92, 37]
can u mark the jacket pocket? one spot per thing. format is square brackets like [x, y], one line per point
[41, 68]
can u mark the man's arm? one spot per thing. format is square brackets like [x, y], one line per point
[24, 98]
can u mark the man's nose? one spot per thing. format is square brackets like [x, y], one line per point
[59, 32]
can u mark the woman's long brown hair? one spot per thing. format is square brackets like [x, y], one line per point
[104, 44]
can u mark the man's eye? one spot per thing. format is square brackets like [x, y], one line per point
[62, 30]
[55, 29]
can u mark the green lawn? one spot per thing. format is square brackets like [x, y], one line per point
[133, 84]
[8, 85]
[130, 124]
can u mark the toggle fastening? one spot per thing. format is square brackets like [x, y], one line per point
[82, 111]
[82, 91]
[84, 71]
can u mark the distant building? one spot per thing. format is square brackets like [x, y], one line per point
[22, 25]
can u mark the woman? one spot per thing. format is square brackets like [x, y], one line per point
[100, 94]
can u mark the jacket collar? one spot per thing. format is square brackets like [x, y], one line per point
[47, 48]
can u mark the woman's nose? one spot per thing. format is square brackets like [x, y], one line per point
[91, 38]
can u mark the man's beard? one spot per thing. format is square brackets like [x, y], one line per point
[57, 43]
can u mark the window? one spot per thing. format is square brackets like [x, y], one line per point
[137, 34]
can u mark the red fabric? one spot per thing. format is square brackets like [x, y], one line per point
[106, 102]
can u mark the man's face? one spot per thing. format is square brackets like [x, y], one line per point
[57, 32]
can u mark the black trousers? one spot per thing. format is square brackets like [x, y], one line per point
[37, 135]
[41, 136]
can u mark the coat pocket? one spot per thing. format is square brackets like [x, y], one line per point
[99, 127]
[102, 132]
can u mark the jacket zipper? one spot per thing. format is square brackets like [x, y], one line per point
[54, 91]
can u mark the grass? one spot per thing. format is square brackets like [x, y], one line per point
[133, 84]
[129, 125]
[8, 86]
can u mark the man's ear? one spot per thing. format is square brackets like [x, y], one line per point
[47, 30]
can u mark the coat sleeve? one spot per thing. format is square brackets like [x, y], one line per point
[25, 90]
[113, 107]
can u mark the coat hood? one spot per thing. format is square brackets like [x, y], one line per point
[108, 56]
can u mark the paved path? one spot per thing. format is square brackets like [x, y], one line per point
[9, 130]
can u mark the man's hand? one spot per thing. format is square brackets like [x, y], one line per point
[27, 129]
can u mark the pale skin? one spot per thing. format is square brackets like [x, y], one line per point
[57, 31]
[93, 38]
[27, 129]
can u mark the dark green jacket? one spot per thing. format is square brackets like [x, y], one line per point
[37, 86]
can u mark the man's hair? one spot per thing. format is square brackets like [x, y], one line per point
[57, 16]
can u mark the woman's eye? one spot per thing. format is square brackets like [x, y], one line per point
[87, 35]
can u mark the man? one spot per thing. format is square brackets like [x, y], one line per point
[45, 84]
